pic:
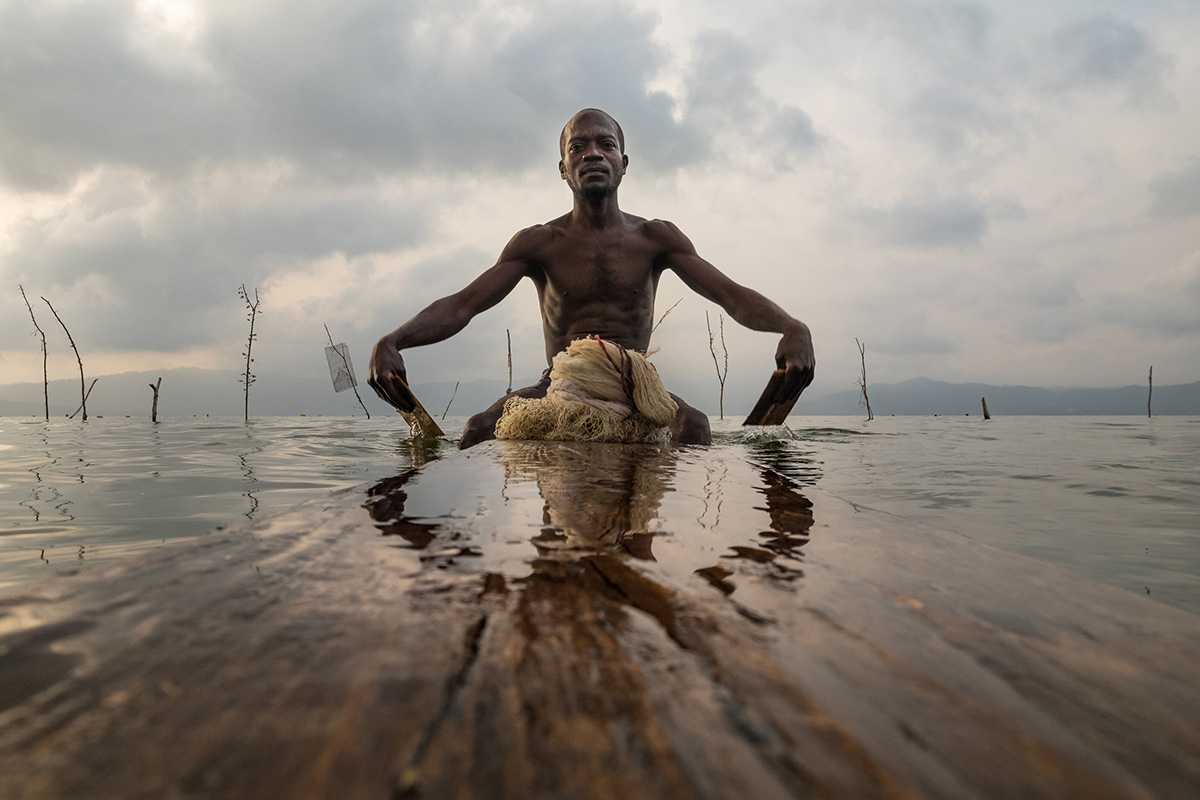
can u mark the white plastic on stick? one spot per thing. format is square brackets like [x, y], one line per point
[341, 369]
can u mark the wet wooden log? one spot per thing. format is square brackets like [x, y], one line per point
[593, 621]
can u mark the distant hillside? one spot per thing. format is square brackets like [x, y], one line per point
[196, 391]
[925, 396]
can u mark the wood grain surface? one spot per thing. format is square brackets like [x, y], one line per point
[593, 621]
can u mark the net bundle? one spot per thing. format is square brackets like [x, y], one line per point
[599, 392]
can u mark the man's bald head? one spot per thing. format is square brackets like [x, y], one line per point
[589, 112]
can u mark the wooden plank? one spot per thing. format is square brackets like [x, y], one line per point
[422, 423]
[593, 621]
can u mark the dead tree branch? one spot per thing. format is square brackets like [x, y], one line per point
[862, 380]
[1149, 391]
[986, 414]
[154, 406]
[83, 404]
[664, 315]
[508, 336]
[721, 374]
[247, 377]
[353, 384]
[82, 394]
[451, 400]
[45, 378]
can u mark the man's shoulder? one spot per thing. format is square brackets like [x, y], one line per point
[529, 242]
[667, 235]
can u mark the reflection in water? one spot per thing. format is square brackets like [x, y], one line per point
[385, 503]
[248, 473]
[386, 499]
[601, 502]
[594, 496]
[42, 493]
[714, 497]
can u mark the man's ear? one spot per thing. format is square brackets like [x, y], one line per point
[625, 163]
[562, 170]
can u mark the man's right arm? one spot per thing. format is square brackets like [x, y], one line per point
[443, 318]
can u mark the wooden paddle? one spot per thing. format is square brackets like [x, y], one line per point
[423, 425]
[775, 403]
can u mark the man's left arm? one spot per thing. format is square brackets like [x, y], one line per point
[794, 359]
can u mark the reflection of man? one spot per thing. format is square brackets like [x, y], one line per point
[583, 511]
[596, 270]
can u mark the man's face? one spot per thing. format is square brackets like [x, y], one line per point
[592, 160]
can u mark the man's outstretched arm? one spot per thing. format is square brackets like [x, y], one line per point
[795, 363]
[443, 318]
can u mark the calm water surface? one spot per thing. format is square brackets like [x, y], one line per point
[1116, 499]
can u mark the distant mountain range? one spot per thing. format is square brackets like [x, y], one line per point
[925, 396]
[186, 392]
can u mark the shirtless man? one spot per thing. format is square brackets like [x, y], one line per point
[596, 271]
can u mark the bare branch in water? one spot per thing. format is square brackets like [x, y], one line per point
[82, 394]
[45, 379]
[862, 380]
[251, 315]
[83, 404]
[451, 400]
[721, 374]
[508, 336]
[1149, 391]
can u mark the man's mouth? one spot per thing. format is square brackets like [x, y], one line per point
[593, 171]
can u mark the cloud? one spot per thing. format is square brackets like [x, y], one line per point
[162, 256]
[348, 89]
[1163, 304]
[272, 137]
[1102, 51]
[906, 341]
[723, 97]
[1177, 194]
[928, 222]
[950, 116]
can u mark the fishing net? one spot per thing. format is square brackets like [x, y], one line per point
[599, 392]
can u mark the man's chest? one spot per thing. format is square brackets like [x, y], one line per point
[600, 267]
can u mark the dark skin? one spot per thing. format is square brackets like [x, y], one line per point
[596, 270]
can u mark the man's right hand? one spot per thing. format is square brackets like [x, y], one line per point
[388, 377]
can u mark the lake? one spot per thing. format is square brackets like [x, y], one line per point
[1112, 499]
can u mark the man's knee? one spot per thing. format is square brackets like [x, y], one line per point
[691, 426]
[482, 426]
[479, 428]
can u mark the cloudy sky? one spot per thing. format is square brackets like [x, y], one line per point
[1002, 192]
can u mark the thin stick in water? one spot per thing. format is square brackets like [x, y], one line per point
[82, 394]
[508, 336]
[83, 405]
[1149, 391]
[451, 400]
[862, 381]
[721, 376]
[45, 378]
[251, 314]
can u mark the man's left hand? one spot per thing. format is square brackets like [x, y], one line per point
[795, 366]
